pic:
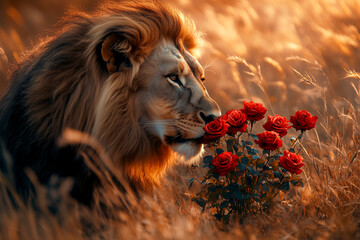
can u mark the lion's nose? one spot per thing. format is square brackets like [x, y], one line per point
[206, 118]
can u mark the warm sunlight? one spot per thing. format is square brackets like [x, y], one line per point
[284, 55]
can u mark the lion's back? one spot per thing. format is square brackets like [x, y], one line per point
[23, 148]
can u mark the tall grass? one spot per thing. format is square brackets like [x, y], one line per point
[289, 55]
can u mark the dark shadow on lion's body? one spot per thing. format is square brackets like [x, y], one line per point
[21, 139]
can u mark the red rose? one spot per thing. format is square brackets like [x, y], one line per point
[269, 140]
[291, 162]
[254, 111]
[214, 130]
[277, 124]
[303, 120]
[237, 121]
[224, 163]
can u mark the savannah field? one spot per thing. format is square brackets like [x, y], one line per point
[287, 54]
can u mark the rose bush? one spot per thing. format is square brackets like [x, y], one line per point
[277, 124]
[224, 163]
[303, 120]
[243, 180]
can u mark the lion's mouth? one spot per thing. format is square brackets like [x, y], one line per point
[180, 139]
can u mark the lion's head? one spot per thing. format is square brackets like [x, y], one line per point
[176, 105]
[154, 103]
[126, 76]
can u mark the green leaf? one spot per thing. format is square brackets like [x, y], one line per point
[233, 187]
[249, 179]
[239, 154]
[265, 187]
[191, 181]
[283, 170]
[260, 165]
[265, 151]
[218, 216]
[238, 195]
[254, 150]
[219, 151]
[251, 170]
[226, 195]
[244, 160]
[215, 175]
[297, 183]
[263, 195]
[200, 201]
[242, 167]
[224, 204]
[285, 186]
[235, 148]
[208, 159]
[292, 150]
[254, 136]
[277, 174]
[246, 197]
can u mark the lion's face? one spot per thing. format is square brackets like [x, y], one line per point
[176, 105]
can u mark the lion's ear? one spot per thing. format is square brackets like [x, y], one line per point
[114, 51]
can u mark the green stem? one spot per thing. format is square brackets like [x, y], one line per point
[251, 128]
[281, 179]
[192, 167]
[266, 163]
[262, 170]
[297, 139]
[238, 138]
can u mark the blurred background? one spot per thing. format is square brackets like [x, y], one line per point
[281, 39]
[288, 54]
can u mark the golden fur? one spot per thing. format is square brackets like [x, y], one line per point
[97, 76]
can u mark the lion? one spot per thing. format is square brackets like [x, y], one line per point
[124, 74]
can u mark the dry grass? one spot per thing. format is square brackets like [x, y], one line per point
[290, 55]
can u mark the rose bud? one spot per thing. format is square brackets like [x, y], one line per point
[254, 111]
[224, 163]
[268, 140]
[303, 120]
[214, 130]
[277, 124]
[237, 121]
[291, 162]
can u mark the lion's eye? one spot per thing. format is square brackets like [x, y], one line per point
[174, 78]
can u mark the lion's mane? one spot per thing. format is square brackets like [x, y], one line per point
[65, 82]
